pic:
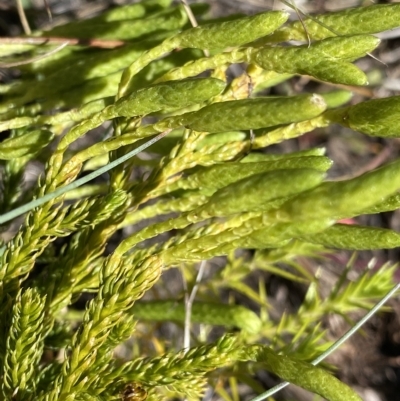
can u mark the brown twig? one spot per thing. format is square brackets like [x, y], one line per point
[40, 40]
[377, 161]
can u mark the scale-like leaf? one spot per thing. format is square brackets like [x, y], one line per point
[326, 60]
[24, 345]
[279, 234]
[389, 204]
[337, 98]
[167, 96]
[93, 66]
[201, 312]
[263, 157]
[221, 175]
[122, 29]
[341, 199]
[355, 237]
[26, 144]
[126, 22]
[231, 33]
[376, 117]
[255, 192]
[353, 21]
[246, 114]
[307, 376]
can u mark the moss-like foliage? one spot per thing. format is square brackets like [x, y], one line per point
[203, 193]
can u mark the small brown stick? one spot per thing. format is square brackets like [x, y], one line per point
[377, 161]
[102, 43]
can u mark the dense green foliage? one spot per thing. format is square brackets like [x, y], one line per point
[204, 184]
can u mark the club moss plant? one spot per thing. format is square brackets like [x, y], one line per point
[204, 191]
